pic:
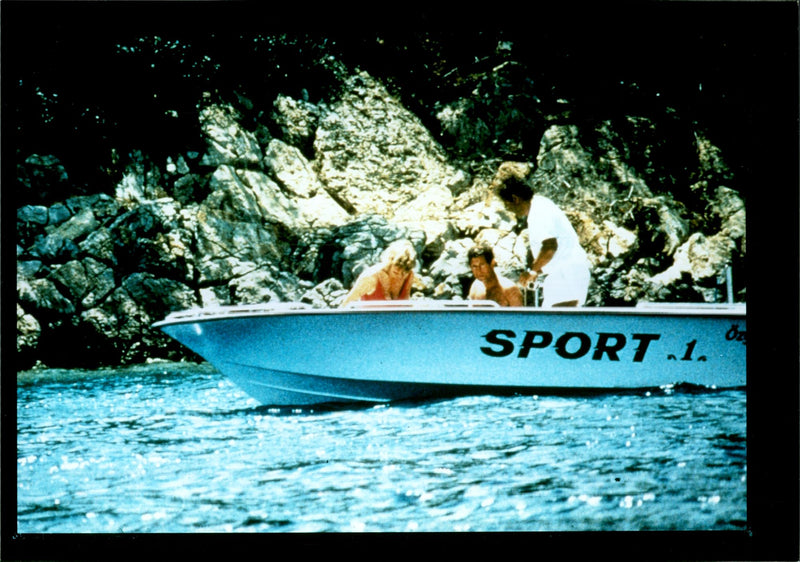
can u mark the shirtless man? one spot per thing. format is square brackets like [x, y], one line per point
[488, 285]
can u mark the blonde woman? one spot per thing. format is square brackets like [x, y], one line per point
[390, 279]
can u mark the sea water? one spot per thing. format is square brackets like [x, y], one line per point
[177, 448]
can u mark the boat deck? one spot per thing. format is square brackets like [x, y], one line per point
[297, 308]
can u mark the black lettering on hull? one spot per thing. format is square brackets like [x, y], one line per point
[493, 338]
[604, 347]
[537, 340]
[570, 345]
[584, 344]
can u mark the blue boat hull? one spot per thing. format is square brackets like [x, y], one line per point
[283, 355]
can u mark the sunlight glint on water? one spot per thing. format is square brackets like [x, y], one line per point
[177, 448]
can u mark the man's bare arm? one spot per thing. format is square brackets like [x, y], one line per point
[546, 254]
[514, 296]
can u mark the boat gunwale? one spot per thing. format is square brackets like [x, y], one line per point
[667, 310]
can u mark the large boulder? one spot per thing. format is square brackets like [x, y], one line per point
[297, 178]
[377, 156]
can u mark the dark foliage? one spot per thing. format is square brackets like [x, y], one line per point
[88, 83]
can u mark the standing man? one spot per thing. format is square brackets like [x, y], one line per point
[488, 285]
[554, 243]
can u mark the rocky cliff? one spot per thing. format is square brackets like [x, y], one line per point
[284, 198]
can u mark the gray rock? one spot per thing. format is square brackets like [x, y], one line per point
[99, 245]
[265, 285]
[31, 221]
[298, 179]
[103, 206]
[78, 226]
[297, 120]
[140, 182]
[87, 282]
[41, 297]
[29, 269]
[328, 294]
[189, 188]
[33, 214]
[375, 154]
[71, 278]
[158, 296]
[28, 332]
[54, 248]
[251, 195]
[451, 271]
[228, 142]
[101, 283]
[58, 214]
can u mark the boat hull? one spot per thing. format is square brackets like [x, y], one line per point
[282, 356]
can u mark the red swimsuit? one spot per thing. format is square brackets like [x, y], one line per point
[379, 295]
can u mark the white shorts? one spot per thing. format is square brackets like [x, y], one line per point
[569, 282]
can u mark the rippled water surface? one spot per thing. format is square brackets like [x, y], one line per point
[178, 448]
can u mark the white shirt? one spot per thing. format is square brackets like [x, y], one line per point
[546, 220]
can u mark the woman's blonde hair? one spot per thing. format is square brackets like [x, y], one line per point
[400, 253]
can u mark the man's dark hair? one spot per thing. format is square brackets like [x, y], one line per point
[478, 251]
[513, 186]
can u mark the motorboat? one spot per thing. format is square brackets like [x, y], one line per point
[291, 354]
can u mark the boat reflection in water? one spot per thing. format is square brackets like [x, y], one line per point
[291, 354]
